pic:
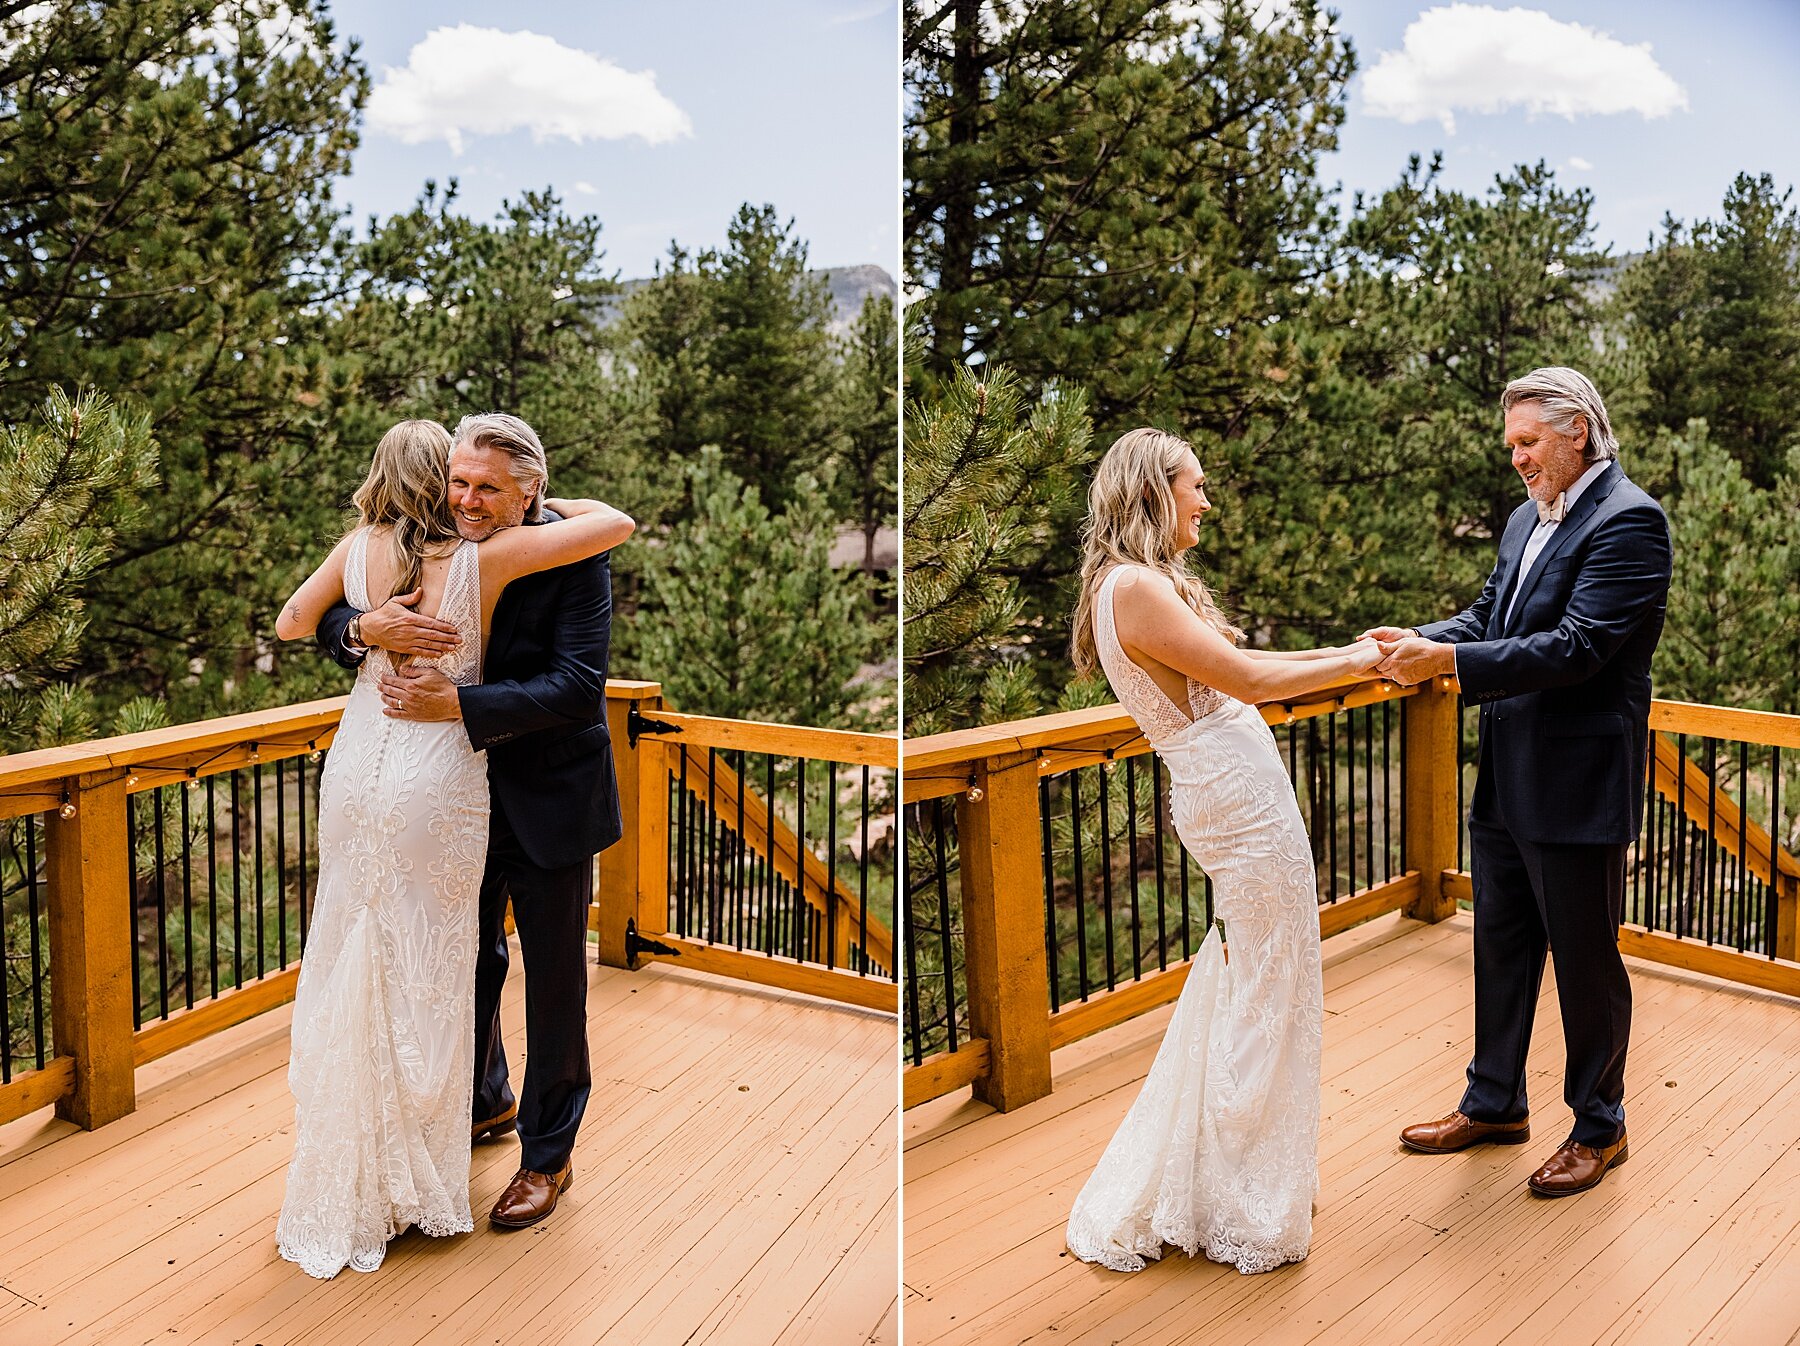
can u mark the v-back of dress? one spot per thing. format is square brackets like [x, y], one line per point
[382, 1067]
[1219, 1152]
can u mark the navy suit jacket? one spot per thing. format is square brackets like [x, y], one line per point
[1564, 686]
[540, 709]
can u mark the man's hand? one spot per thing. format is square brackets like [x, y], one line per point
[415, 692]
[1414, 659]
[1387, 635]
[397, 629]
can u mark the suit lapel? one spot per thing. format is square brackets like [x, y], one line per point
[1566, 532]
[1512, 548]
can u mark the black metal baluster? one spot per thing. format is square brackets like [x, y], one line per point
[1162, 919]
[1105, 789]
[212, 884]
[800, 903]
[1369, 785]
[1387, 795]
[281, 857]
[237, 895]
[943, 887]
[162, 905]
[1772, 911]
[1350, 791]
[862, 887]
[1081, 956]
[1049, 896]
[831, 901]
[37, 960]
[131, 845]
[1712, 836]
[1683, 924]
[909, 935]
[1743, 864]
[300, 823]
[740, 860]
[262, 961]
[1331, 811]
[187, 894]
[1137, 958]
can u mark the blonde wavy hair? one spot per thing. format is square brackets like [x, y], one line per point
[408, 491]
[1131, 521]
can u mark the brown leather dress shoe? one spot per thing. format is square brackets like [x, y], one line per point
[1458, 1132]
[495, 1126]
[1576, 1167]
[529, 1197]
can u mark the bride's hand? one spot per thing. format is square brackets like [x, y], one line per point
[1364, 656]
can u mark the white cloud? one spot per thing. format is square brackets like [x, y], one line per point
[480, 81]
[1474, 58]
[1579, 164]
[585, 189]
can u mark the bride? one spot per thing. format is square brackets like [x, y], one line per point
[1219, 1154]
[384, 1015]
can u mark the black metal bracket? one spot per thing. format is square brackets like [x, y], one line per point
[637, 723]
[636, 944]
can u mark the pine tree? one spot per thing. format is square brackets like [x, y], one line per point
[867, 479]
[1732, 633]
[983, 472]
[76, 474]
[167, 235]
[1714, 312]
[744, 615]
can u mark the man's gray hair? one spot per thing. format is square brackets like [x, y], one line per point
[530, 468]
[1564, 394]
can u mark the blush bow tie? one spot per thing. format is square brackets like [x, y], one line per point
[1554, 511]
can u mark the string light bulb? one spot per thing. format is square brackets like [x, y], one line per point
[67, 810]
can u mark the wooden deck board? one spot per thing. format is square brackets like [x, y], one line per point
[734, 1182]
[1695, 1239]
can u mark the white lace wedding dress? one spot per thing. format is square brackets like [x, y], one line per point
[382, 1069]
[1219, 1154]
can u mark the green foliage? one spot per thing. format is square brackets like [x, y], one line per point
[731, 348]
[1715, 313]
[866, 484]
[983, 471]
[1732, 637]
[167, 235]
[1122, 198]
[77, 473]
[746, 617]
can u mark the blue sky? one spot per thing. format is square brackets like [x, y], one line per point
[661, 118]
[1717, 92]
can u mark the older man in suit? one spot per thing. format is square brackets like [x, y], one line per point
[540, 713]
[1556, 651]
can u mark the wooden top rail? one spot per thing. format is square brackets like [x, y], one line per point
[1769, 728]
[785, 740]
[1102, 728]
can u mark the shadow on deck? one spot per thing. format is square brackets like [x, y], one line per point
[734, 1183]
[1696, 1239]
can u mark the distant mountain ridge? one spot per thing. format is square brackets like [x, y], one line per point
[850, 286]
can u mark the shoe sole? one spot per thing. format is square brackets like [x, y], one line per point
[1498, 1138]
[561, 1189]
[494, 1130]
[1551, 1193]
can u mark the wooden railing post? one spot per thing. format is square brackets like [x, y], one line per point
[634, 871]
[89, 863]
[1433, 731]
[1003, 928]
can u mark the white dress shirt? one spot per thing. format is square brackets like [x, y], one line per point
[1540, 536]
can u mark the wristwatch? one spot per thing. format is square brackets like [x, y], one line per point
[353, 636]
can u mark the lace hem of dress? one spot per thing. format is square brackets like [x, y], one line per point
[1250, 1259]
[324, 1263]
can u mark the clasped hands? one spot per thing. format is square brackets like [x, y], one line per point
[413, 691]
[1408, 658]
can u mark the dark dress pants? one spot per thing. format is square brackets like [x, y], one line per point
[1571, 897]
[550, 914]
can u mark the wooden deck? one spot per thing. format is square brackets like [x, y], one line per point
[1695, 1239]
[734, 1183]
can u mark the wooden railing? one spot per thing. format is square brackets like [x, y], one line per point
[988, 912]
[88, 871]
